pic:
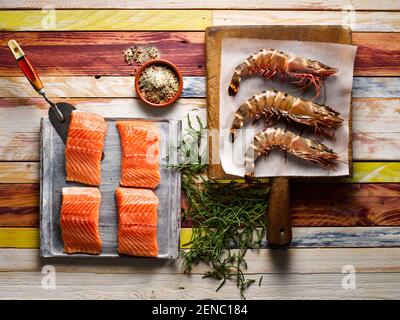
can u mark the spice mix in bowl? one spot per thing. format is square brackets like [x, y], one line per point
[158, 83]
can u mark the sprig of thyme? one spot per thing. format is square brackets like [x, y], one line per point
[224, 215]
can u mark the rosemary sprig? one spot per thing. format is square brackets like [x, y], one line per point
[224, 215]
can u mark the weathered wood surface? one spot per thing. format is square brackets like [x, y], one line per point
[376, 135]
[32, 20]
[376, 87]
[363, 172]
[193, 87]
[205, 4]
[116, 87]
[385, 59]
[27, 285]
[303, 237]
[312, 204]
[332, 204]
[360, 21]
[19, 172]
[22, 142]
[331, 237]
[375, 129]
[19, 205]
[311, 273]
[289, 269]
[71, 53]
[12, 195]
[329, 260]
[156, 20]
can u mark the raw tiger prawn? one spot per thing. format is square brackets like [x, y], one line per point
[270, 63]
[272, 105]
[275, 138]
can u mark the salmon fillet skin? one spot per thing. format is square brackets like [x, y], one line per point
[140, 150]
[84, 148]
[137, 222]
[79, 220]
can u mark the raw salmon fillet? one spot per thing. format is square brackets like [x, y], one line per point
[140, 150]
[137, 222]
[84, 147]
[79, 219]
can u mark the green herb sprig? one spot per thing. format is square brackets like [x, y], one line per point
[225, 216]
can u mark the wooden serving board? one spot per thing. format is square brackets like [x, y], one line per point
[214, 36]
[53, 180]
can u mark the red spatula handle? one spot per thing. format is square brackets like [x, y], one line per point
[26, 66]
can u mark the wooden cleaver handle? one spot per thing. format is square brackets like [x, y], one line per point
[279, 224]
[26, 66]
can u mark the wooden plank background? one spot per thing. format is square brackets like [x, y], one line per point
[352, 221]
[384, 5]
[69, 53]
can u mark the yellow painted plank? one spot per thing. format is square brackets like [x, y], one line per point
[27, 238]
[376, 172]
[50, 20]
[186, 234]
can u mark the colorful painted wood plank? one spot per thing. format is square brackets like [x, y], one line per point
[284, 287]
[363, 172]
[376, 87]
[346, 237]
[376, 134]
[340, 237]
[92, 87]
[71, 53]
[375, 172]
[375, 129]
[19, 205]
[49, 19]
[317, 204]
[323, 260]
[366, 172]
[205, 4]
[99, 53]
[193, 87]
[377, 54]
[23, 142]
[19, 238]
[93, 286]
[19, 172]
[358, 21]
[332, 204]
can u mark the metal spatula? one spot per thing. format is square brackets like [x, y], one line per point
[59, 113]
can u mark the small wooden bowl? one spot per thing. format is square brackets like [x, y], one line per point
[158, 62]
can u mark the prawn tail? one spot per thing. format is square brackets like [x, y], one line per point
[235, 84]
